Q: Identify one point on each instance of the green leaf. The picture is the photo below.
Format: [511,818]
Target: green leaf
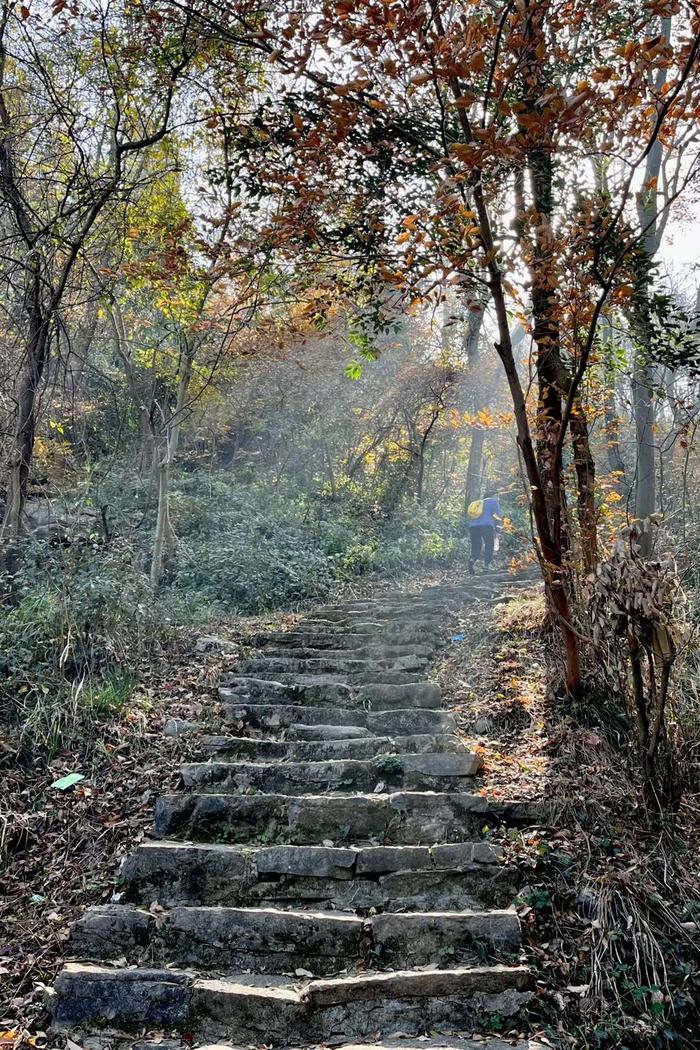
[63,783]
[353,370]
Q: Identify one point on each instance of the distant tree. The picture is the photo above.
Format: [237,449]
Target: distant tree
[84,95]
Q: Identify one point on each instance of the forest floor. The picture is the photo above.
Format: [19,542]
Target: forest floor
[607,894]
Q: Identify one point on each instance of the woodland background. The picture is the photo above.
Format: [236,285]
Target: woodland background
[283,288]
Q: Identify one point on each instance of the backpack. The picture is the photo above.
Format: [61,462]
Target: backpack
[475,509]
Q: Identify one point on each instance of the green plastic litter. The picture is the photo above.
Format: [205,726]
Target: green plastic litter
[63,783]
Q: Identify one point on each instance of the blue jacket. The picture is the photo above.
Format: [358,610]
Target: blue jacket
[491,507]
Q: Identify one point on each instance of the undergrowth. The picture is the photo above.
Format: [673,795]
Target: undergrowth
[83,618]
[611,896]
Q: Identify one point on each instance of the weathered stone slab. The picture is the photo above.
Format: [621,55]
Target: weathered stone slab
[325,732]
[286,692]
[327,861]
[402,818]
[130,998]
[411,984]
[414,939]
[361,1006]
[382,723]
[421,772]
[383,859]
[349,664]
[382,697]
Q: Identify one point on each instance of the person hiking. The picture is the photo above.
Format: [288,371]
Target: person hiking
[484,519]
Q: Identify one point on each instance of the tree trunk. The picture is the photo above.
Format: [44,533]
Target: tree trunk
[585,476]
[644,419]
[612,430]
[643,397]
[470,348]
[29,384]
[165,540]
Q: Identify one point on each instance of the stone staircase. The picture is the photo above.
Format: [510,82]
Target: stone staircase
[322,876]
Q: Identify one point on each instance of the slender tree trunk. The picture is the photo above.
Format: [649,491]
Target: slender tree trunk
[28,387]
[165,540]
[645,426]
[161,538]
[612,431]
[585,475]
[643,397]
[470,348]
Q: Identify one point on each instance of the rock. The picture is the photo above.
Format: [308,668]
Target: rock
[482,725]
[305,860]
[415,984]
[130,998]
[211,644]
[179,727]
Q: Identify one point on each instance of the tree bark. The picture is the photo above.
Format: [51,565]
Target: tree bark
[643,376]
[28,387]
[585,475]
[165,540]
[470,349]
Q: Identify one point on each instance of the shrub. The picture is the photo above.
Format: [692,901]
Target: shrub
[82,619]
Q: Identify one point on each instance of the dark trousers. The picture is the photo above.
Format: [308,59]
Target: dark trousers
[482,534]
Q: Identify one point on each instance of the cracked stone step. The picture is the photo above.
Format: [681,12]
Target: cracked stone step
[402,818]
[333,692]
[467,874]
[314,745]
[416,721]
[350,681]
[344,641]
[377,696]
[422,772]
[404,631]
[228,940]
[242,1009]
[375,651]
[347,665]
[310,690]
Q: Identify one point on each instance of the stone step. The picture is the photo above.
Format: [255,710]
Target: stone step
[466,874]
[176,873]
[270,940]
[346,642]
[319,748]
[302,680]
[420,611]
[344,665]
[413,772]
[377,696]
[404,631]
[380,723]
[286,692]
[423,1043]
[402,818]
[375,651]
[249,1011]
[333,733]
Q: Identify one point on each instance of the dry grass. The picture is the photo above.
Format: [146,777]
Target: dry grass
[610,893]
